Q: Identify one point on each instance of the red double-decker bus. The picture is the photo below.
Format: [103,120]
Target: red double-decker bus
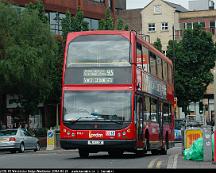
[117,95]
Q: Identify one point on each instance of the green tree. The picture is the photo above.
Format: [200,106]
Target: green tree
[195,56]
[120,24]
[38,7]
[73,23]
[107,23]
[157,44]
[28,56]
[126,27]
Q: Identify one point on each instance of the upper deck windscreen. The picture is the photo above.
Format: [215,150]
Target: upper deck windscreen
[98,59]
[98,50]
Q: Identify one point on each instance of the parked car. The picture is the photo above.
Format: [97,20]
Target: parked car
[18,140]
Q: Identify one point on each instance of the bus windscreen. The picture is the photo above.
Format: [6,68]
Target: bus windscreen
[98,50]
[97,106]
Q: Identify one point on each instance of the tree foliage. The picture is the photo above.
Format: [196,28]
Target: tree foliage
[73,23]
[108,22]
[38,7]
[194,57]
[28,56]
[157,44]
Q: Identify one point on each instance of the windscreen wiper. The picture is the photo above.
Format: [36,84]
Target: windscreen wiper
[88,117]
[108,115]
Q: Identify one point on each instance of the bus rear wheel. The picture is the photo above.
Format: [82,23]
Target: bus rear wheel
[83,153]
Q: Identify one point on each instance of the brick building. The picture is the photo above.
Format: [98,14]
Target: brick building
[93,10]
[132,17]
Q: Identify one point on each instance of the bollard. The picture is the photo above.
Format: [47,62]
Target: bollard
[51,139]
[207,144]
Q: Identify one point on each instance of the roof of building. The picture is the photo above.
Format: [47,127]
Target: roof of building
[178,7]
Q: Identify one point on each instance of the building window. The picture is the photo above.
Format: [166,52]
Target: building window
[202,24]
[157,9]
[99,1]
[189,25]
[212,27]
[164,26]
[151,27]
[55,21]
[92,23]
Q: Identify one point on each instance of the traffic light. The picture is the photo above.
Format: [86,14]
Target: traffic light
[200,107]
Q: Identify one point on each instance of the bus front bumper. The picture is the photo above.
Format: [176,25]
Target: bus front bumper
[107,144]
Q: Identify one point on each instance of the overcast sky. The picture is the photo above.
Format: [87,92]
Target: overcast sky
[131,4]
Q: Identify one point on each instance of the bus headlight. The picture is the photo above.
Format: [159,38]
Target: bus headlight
[68,133]
[123,133]
[73,134]
[119,134]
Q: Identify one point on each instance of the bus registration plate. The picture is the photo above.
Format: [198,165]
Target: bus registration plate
[95,142]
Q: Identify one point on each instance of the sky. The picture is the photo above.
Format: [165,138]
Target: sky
[131,4]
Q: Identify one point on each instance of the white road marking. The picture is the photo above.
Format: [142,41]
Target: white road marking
[172,161]
[151,164]
[158,165]
[175,161]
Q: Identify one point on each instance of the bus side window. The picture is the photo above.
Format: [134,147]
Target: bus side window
[167,113]
[165,71]
[145,59]
[153,115]
[139,56]
[147,108]
[159,67]
[153,64]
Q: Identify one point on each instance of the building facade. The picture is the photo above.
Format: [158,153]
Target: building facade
[158,20]
[132,18]
[93,10]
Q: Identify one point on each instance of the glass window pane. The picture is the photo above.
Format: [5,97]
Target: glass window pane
[189,25]
[97,106]
[153,116]
[165,71]
[153,64]
[159,67]
[103,50]
[147,108]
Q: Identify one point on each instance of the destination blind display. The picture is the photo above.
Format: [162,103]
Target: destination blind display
[100,75]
